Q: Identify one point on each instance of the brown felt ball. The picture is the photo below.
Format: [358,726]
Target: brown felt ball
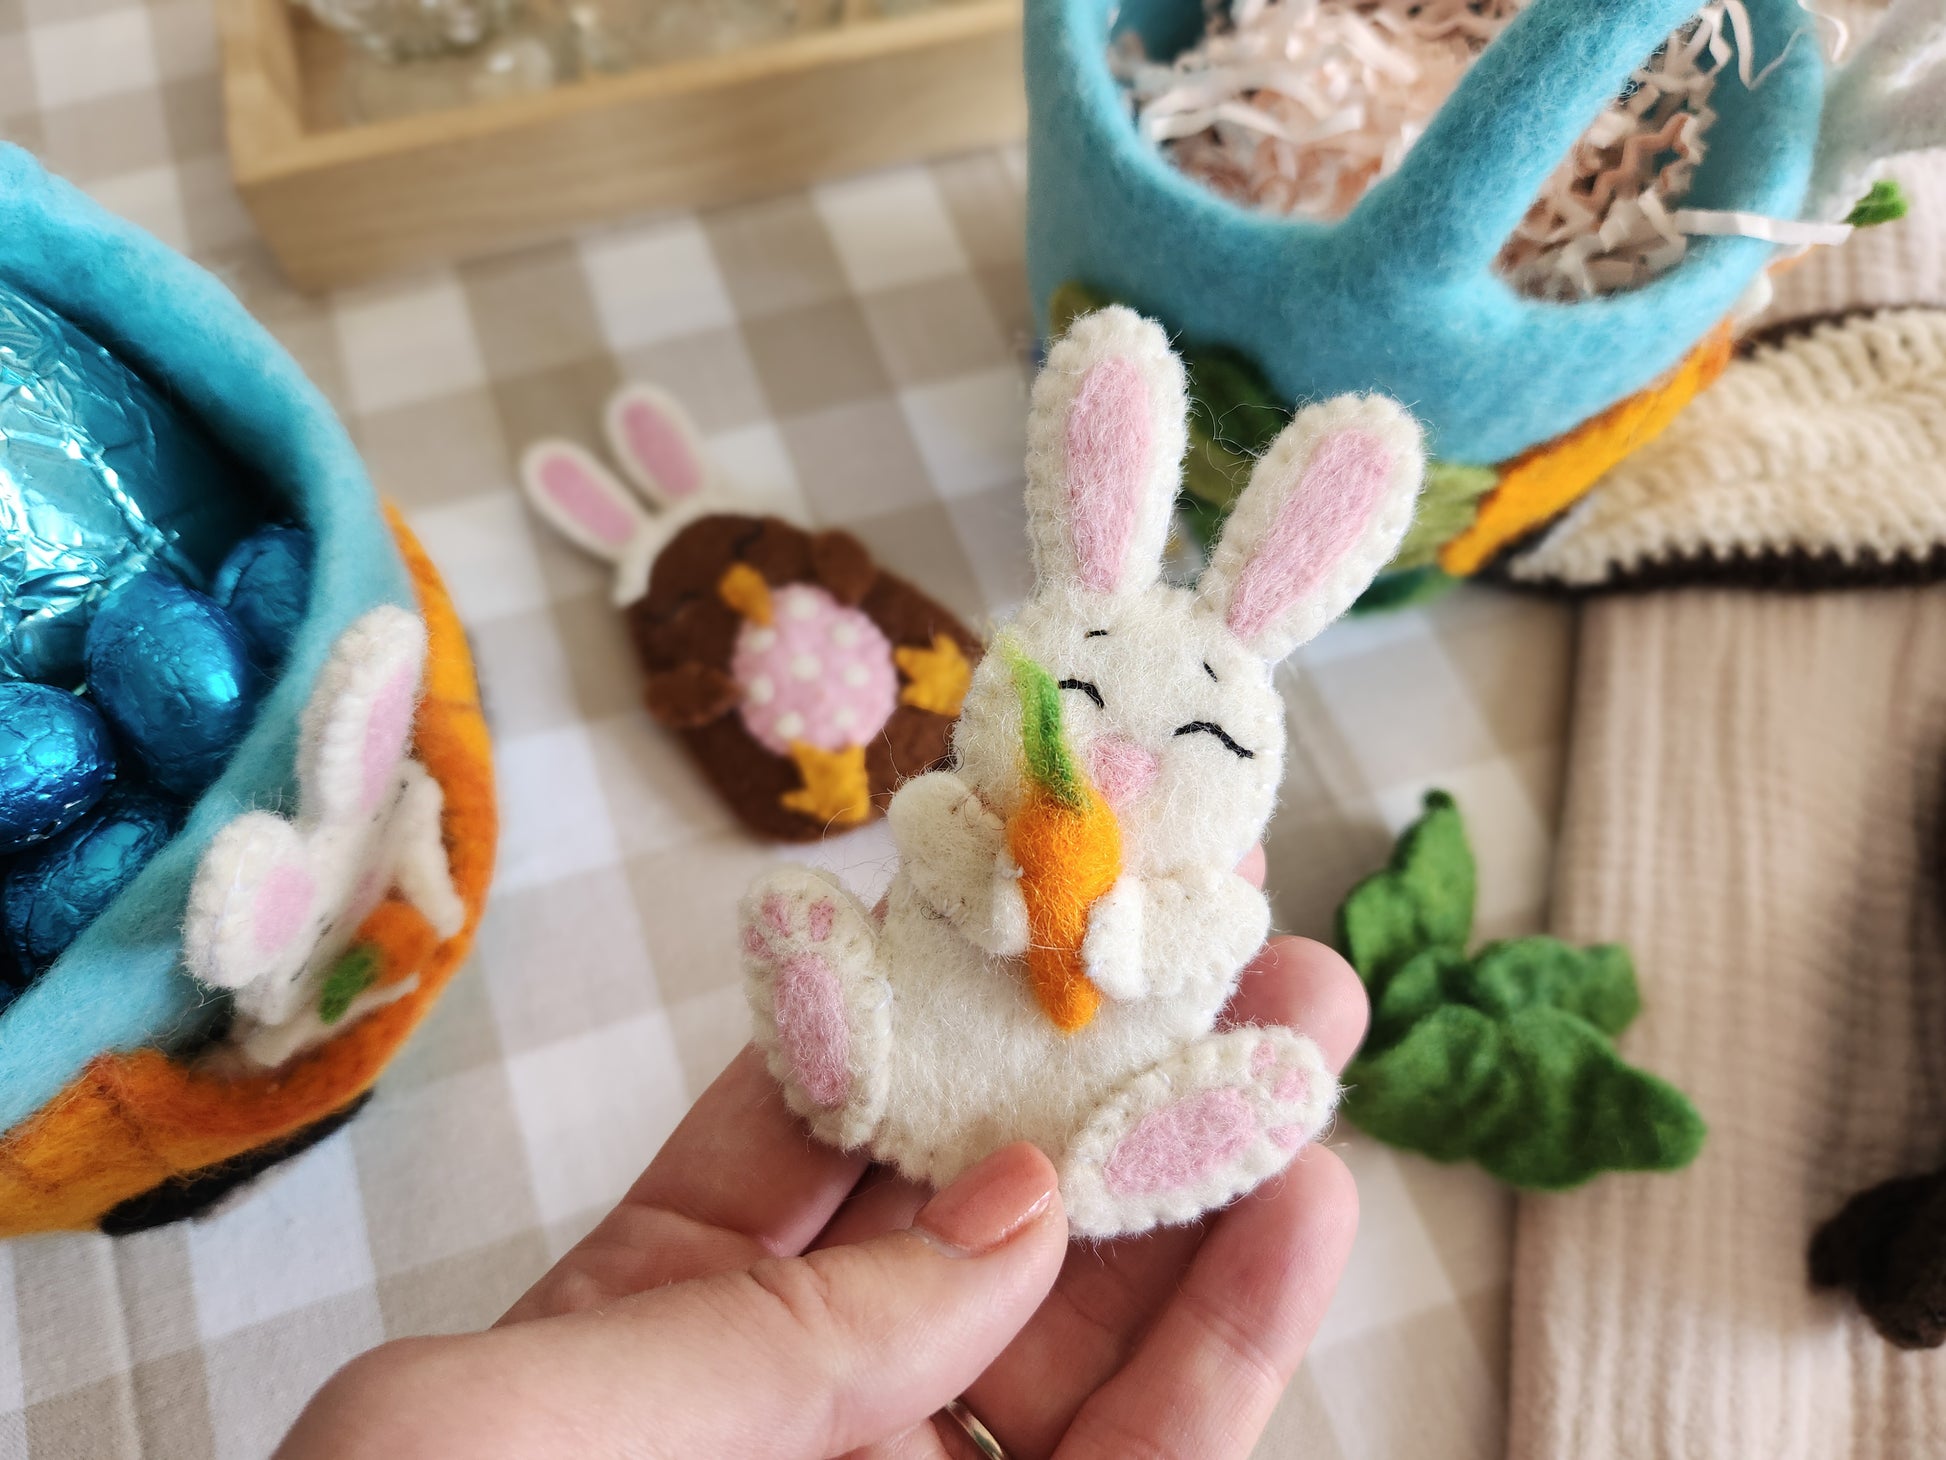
[1888,1247]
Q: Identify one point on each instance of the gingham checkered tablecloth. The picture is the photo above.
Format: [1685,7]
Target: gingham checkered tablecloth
[860,350]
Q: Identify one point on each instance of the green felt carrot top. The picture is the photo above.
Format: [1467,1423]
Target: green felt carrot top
[1043,741]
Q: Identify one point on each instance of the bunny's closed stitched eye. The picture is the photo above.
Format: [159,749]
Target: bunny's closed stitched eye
[1210,727]
[1087,687]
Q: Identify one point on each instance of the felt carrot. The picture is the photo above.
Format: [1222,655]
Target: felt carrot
[1069,848]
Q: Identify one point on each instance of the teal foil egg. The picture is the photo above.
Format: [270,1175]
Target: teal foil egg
[56,760]
[265,583]
[51,893]
[173,675]
[100,477]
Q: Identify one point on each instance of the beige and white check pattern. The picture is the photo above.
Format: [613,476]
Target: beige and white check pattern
[860,350]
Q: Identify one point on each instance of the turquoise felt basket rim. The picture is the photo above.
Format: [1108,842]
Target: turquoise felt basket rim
[1399,296]
[121,985]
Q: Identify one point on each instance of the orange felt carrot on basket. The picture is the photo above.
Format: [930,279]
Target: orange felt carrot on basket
[1069,847]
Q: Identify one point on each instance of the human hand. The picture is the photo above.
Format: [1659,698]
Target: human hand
[759,1295]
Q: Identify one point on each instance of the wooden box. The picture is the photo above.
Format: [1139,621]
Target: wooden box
[338,202]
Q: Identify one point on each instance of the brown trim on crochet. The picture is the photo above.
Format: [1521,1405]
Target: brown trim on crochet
[1784,331]
[1797,571]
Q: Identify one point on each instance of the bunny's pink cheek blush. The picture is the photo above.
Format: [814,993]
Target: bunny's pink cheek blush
[1121,769]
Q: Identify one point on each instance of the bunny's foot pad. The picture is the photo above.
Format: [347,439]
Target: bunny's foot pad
[770,648]
[1197,1130]
[822,1007]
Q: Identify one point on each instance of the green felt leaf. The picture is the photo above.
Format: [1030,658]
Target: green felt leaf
[1429,979]
[1424,899]
[1394,590]
[1448,503]
[1230,402]
[1211,472]
[350,976]
[1598,983]
[1583,1109]
[1885,203]
[1439,1088]
[1068,302]
[1539,1098]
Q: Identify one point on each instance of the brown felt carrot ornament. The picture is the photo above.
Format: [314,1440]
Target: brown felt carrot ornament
[1068,845]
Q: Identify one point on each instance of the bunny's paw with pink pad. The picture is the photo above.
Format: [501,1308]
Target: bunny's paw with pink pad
[1197,1131]
[277,900]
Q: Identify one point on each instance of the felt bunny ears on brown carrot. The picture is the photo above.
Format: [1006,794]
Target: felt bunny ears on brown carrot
[805,681]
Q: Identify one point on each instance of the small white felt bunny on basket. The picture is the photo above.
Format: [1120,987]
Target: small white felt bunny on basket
[991,1004]
[276,902]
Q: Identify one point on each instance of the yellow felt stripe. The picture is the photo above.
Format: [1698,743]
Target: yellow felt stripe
[1544,482]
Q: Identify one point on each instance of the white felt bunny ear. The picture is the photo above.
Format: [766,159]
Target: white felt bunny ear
[657,444]
[254,907]
[1326,509]
[1105,442]
[358,723]
[582,500]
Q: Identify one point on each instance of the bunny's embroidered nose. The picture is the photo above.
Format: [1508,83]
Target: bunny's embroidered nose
[1120,769]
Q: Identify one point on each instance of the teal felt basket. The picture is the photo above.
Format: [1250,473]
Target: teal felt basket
[1400,295]
[121,986]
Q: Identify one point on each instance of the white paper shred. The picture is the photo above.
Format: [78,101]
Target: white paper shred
[1297,107]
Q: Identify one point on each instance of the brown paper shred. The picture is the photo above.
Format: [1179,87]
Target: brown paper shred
[1296,107]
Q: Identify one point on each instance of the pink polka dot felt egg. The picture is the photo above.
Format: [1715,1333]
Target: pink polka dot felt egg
[819,673]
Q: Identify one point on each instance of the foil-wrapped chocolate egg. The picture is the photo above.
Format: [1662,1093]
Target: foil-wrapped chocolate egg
[173,675]
[265,583]
[100,478]
[56,760]
[50,894]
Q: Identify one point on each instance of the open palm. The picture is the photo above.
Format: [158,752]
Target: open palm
[685,1323]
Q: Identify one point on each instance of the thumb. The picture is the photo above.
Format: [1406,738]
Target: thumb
[794,1358]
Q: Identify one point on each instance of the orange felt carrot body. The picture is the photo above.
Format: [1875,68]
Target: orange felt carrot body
[1069,848]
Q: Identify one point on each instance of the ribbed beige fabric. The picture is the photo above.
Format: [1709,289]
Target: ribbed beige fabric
[1754,808]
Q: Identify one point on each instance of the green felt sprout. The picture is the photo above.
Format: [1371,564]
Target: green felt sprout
[1504,1056]
[1885,203]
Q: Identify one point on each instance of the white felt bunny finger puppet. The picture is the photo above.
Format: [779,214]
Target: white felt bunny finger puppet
[277,901]
[1066,921]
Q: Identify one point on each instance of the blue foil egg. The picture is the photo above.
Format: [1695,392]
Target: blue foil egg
[56,760]
[265,583]
[173,675]
[50,894]
[100,477]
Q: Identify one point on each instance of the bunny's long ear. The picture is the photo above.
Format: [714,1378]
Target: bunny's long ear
[1105,442]
[653,438]
[1325,510]
[581,499]
[359,720]
[252,917]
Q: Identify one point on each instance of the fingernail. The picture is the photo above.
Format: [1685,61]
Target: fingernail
[989,1203]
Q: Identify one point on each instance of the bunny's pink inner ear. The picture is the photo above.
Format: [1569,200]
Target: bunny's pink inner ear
[1109,439]
[661,448]
[282,905]
[386,729]
[583,500]
[1320,520]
